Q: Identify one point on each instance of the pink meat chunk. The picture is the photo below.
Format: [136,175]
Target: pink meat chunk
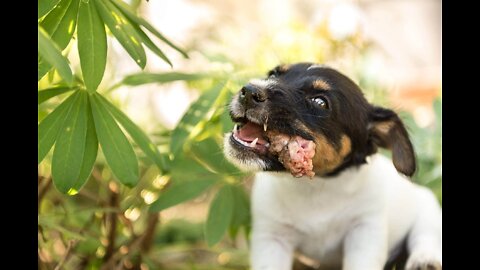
[295,153]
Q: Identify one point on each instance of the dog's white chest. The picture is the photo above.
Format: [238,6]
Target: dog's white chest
[316,214]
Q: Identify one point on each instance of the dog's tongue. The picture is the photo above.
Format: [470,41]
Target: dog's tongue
[250,132]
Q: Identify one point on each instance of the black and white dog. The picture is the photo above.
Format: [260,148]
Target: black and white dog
[356,210]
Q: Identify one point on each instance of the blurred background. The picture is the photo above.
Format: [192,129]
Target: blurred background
[391,48]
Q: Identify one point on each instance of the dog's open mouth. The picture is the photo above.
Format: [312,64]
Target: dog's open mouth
[294,152]
[251,136]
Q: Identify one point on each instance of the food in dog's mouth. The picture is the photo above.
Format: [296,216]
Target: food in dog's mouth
[294,152]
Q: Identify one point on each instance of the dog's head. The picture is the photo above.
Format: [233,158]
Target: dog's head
[310,119]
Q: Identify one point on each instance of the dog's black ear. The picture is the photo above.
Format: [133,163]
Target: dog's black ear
[387,131]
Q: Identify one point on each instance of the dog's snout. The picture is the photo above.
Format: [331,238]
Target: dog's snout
[251,94]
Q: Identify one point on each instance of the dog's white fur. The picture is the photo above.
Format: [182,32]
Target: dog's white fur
[355,220]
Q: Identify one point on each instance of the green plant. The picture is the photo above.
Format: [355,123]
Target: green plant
[86,119]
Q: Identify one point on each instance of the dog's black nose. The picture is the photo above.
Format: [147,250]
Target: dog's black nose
[251,94]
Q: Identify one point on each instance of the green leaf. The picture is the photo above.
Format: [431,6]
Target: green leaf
[145,39]
[90,154]
[70,145]
[179,192]
[149,148]
[43,68]
[92,45]
[50,126]
[219,215]
[145,78]
[226,122]
[195,169]
[191,119]
[59,24]
[47,94]
[149,43]
[241,212]
[44,6]
[117,150]
[209,153]
[51,53]
[122,30]
[131,15]
[42,113]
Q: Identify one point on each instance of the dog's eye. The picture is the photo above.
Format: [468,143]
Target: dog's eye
[320,102]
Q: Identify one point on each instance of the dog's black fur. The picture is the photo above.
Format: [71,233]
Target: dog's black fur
[287,105]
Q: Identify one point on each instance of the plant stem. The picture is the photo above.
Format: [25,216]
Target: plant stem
[111,219]
[43,188]
[70,245]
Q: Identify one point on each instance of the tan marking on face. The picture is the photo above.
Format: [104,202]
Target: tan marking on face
[346,146]
[327,158]
[321,84]
[284,68]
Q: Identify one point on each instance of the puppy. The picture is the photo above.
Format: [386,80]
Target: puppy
[352,208]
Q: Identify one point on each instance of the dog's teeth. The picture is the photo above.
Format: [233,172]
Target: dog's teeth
[235,128]
[254,142]
[265,127]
